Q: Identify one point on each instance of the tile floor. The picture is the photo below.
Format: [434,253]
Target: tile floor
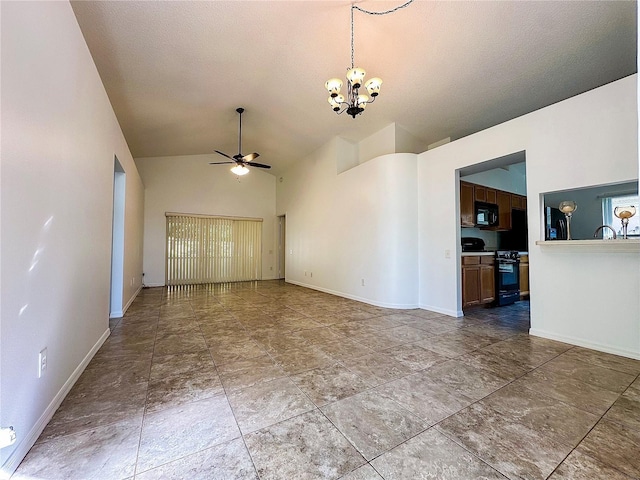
[273,381]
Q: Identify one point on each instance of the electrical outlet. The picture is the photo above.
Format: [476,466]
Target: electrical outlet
[447,254]
[311,274]
[363,282]
[42,362]
[305,273]
[270,268]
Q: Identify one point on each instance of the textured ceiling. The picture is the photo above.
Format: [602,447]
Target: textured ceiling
[176,71]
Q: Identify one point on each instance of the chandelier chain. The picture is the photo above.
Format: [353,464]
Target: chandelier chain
[352,36]
[369,12]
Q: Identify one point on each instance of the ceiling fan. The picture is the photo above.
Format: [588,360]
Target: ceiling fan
[241,161]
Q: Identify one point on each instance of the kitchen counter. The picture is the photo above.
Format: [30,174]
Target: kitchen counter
[485,254]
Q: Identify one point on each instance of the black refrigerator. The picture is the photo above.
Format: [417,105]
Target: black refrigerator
[518,237]
[555,224]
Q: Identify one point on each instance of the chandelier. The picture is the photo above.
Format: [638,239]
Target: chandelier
[355,102]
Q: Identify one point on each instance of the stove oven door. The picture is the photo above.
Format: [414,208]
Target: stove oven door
[507,281]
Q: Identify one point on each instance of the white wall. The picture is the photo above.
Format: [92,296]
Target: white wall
[59,139]
[391,139]
[360,224]
[188,184]
[587,140]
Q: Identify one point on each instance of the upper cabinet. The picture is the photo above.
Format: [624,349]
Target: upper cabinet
[504,210]
[471,193]
[467,205]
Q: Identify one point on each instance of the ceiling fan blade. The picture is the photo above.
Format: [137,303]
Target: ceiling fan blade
[223,154]
[219,163]
[250,157]
[259,165]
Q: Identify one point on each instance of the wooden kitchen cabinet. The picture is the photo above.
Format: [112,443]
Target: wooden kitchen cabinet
[478,280]
[518,202]
[492,195]
[470,286]
[484,194]
[504,210]
[524,276]
[467,205]
[487,280]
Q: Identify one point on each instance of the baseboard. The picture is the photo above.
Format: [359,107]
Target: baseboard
[581,342]
[133,297]
[354,297]
[29,440]
[150,285]
[120,313]
[444,311]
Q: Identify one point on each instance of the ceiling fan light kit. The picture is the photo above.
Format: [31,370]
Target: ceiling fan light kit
[241,161]
[355,102]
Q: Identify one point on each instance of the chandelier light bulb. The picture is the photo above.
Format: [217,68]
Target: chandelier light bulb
[335,102]
[373,86]
[333,85]
[356,76]
[240,170]
[362,101]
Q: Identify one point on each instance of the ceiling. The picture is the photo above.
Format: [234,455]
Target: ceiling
[176,71]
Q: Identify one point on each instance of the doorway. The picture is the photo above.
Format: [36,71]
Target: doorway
[282,245]
[117,241]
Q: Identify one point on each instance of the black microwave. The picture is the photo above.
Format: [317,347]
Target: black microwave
[486,214]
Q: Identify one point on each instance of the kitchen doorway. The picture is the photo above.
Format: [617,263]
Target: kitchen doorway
[117,241]
[282,246]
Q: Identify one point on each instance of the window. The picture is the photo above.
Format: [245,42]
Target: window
[608,218]
[206,249]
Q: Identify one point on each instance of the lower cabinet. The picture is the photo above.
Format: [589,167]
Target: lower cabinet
[478,280]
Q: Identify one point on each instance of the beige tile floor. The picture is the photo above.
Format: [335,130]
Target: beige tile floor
[273,381]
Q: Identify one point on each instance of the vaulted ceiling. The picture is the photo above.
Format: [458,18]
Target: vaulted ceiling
[176,71]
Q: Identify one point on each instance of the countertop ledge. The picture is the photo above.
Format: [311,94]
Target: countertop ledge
[631,245]
[484,254]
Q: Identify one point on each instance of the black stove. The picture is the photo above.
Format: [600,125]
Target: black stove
[507,277]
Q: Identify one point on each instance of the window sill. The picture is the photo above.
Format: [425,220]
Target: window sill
[631,245]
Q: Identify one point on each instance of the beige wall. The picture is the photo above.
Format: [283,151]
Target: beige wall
[59,139]
[188,184]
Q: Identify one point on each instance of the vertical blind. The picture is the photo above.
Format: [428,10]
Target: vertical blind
[205,249]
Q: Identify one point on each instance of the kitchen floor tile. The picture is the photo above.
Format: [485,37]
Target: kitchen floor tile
[578,466]
[106,452]
[508,446]
[175,432]
[432,455]
[246,373]
[304,447]
[373,424]
[329,384]
[592,374]
[267,403]
[558,421]
[226,461]
[377,368]
[615,445]
[574,392]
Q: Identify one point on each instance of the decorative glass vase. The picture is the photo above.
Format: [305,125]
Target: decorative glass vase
[624,214]
[568,207]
